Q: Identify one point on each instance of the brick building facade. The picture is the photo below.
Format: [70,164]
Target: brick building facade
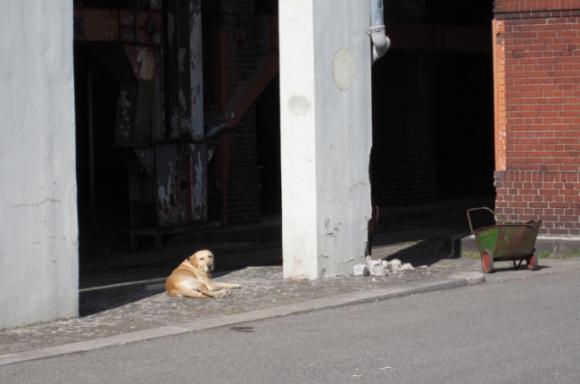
[421,151]
[146,163]
[537,107]
[433,109]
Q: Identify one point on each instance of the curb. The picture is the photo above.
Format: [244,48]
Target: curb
[453,281]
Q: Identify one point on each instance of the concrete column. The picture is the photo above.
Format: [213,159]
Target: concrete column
[326,135]
[38,205]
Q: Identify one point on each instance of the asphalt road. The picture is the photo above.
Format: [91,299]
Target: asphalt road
[518,331]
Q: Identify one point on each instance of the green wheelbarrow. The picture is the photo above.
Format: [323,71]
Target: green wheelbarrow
[505,242]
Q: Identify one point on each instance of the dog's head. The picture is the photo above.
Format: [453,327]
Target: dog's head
[202,260]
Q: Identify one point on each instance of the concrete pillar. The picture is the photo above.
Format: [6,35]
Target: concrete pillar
[326,135]
[38,205]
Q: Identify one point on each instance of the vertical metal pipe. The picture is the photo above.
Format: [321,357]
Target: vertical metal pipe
[377,13]
[381,42]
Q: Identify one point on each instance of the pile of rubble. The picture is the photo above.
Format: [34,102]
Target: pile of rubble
[381,267]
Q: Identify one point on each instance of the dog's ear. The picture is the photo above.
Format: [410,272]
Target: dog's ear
[193,260]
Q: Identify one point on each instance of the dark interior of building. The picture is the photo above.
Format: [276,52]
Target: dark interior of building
[102,166]
[433,104]
[268,135]
[432,135]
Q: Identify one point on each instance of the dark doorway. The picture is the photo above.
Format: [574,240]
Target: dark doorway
[268,135]
[102,176]
[142,157]
[107,33]
[433,111]
[268,113]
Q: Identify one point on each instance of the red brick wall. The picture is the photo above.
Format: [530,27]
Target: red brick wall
[516,6]
[539,56]
[551,196]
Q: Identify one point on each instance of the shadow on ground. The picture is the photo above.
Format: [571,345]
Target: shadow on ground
[116,277]
[428,252]
[96,301]
[109,288]
[507,266]
[419,246]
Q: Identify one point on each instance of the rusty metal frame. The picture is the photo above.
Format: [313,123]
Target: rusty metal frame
[143,27]
[184,70]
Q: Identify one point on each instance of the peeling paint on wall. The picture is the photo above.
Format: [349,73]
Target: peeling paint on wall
[139,110]
[145,63]
[331,230]
[185,72]
[343,71]
[199,184]
[169,209]
[196,70]
[299,105]
[124,121]
[181,183]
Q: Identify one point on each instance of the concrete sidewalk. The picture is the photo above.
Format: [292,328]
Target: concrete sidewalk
[264,295]
[120,312]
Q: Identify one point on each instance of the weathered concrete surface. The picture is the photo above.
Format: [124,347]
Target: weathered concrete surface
[126,303]
[326,135]
[38,206]
[264,289]
[141,311]
[513,332]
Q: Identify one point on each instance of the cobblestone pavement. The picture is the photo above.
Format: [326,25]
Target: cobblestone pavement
[147,306]
[124,308]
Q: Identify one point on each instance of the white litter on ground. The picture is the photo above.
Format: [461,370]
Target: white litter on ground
[360,270]
[381,267]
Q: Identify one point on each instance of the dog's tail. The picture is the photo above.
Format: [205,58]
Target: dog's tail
[170,289]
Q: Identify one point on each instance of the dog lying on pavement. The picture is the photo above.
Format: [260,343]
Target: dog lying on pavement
[192,278]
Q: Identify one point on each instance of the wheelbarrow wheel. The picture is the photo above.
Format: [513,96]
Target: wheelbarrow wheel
[486,262]
[532,262]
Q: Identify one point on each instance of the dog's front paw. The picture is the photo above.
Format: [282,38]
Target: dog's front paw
[236,286]
[222,293]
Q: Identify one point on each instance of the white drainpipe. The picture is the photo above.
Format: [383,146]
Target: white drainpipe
[381,42]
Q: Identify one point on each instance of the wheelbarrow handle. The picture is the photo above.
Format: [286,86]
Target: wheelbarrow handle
[468,212]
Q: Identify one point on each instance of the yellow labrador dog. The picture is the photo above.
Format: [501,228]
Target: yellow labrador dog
[192,278]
